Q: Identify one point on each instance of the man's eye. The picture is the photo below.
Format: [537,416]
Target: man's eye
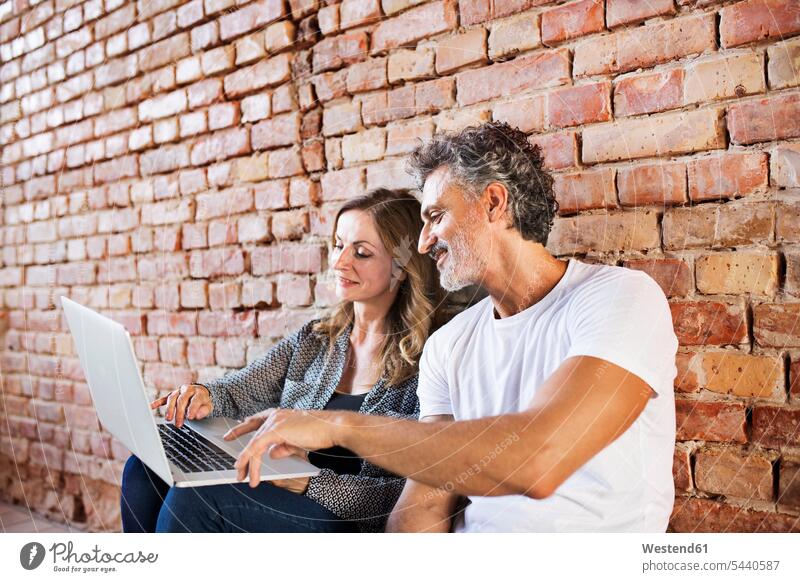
[436,218]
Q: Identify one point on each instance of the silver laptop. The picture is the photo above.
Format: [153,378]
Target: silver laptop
[190,456]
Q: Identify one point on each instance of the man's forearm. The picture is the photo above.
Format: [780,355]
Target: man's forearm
[488,456]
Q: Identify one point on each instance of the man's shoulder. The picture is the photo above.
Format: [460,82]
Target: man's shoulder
[613,280]
[459,323]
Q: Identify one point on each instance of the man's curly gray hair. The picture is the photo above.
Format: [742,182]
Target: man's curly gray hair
[495,152]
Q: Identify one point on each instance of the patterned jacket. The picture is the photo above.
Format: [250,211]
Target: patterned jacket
[300,372]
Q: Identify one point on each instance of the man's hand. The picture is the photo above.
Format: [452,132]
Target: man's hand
[190,401]
[284,432]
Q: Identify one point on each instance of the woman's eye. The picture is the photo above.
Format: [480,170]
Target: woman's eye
[361,255]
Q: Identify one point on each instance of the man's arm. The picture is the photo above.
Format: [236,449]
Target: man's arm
[582,408]
[422,508]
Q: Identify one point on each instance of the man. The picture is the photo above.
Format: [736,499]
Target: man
[549,403]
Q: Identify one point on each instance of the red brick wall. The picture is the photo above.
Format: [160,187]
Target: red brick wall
[175,165]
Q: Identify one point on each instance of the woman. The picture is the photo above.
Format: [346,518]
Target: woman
[362,357]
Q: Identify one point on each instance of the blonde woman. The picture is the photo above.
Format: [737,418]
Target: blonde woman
[363,357]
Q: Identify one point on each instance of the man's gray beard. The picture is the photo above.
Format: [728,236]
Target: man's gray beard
[463,265]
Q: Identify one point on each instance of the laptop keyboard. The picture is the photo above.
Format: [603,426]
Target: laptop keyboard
[191,451]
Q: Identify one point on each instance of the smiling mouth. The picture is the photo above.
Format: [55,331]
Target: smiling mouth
[440,258]
[347,281]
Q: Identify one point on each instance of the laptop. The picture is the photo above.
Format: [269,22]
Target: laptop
[190,456]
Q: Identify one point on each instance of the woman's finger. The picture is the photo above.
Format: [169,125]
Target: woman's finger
[196,402]
[183,402]
[169,412]
[158,402]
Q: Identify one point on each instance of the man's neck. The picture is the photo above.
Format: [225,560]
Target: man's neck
[520,275]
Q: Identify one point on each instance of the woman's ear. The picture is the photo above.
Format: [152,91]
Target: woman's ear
[398,274]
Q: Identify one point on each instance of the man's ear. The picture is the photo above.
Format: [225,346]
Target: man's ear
[495,198]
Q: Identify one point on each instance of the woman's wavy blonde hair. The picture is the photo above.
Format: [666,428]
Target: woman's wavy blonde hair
[415,311]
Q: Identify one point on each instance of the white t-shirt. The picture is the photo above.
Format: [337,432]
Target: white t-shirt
[478,366]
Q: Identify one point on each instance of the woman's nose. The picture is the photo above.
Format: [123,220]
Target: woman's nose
[342,261]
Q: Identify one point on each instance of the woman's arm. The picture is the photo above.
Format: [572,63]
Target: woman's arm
[259,385]
[367,498]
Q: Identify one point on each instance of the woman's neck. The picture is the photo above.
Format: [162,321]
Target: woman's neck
[369,322]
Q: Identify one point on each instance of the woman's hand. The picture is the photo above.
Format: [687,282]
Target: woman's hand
[282,432]
[190,401]
[297,485]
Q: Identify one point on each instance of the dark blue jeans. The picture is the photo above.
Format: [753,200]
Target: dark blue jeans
[149,505]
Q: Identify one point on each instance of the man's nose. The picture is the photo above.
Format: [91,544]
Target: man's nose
[426,240]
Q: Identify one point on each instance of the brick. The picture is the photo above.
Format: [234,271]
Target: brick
[783,64]
[645,46]
[708,323]
[660,184]
[265,73]
[414,25]
[341,118]
[672,275]
[579,105]
[231,201]
[285,162]
[743,375]
[336,52]
[785,166]
[560,150]
[755,20]
[788,222]
[194,294]
[252,229]
[180,324]
[776,427]
[250,18]
[354,13]
[605,233]
[514,35]
[279,36]
[732,473]
[204,93]
[403,138]
[745,224]
[407,65]
[364,146]
[764,119]
[226,295]
[167,51]
[776,325]
[737,273]
[710,421]
[526,113]
[250,48]
[461,50]
[703,515]
[330,86]
[226,324]
[789,484]
[667,134]
[572,20]
[536,71]
[328,19]
[223,144]
[621,12]
[290,224]
[216,263]
[163,106]
[368,75]
[272,195]
[585,191]
[221,232]
[343,184]
[433,96]
[792,278]
[253,169]
[649,93]
[279,131]
[727,176]
[724,77]
[294,290]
